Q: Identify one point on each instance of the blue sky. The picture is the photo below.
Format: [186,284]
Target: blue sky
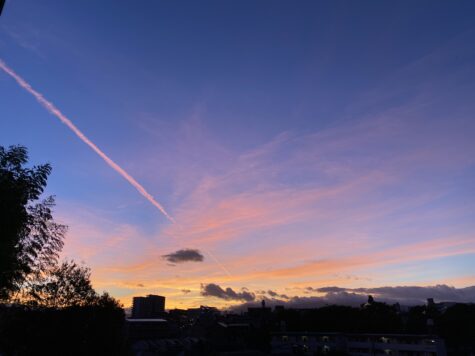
[338,132]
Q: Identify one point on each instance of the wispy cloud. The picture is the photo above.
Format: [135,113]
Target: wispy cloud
[347,200]
[342,172]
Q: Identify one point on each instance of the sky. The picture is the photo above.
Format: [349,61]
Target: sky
[303,151]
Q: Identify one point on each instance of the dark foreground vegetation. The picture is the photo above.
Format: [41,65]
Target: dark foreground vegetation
[47,306]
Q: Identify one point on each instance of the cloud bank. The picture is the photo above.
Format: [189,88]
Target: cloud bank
[409,294]
[405,295]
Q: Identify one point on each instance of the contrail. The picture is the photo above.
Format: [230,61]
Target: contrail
[224,269]
[56,112]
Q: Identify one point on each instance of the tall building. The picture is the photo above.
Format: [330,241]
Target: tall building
[149,307]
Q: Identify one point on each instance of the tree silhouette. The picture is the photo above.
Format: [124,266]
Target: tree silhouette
[52,299]
[67,284]
[30,240]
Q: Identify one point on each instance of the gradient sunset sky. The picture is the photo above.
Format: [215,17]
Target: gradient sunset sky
[296,145]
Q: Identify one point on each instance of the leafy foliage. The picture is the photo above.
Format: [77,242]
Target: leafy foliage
[30,241]
[67,284]
[51,298]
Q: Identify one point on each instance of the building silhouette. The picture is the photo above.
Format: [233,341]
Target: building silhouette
[149,307]
[357,344]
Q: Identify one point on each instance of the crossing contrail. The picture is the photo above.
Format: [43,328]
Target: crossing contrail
[64,119]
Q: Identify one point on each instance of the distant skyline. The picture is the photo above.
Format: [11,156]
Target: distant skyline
[297,147]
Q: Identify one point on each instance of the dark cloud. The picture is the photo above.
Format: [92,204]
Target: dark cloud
[408,295]
[331,298]
[327,289]
[277,295]
[214,290]
[339,298]
[140,285]
[185,255]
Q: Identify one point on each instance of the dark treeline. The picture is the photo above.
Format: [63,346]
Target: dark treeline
[47,306]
